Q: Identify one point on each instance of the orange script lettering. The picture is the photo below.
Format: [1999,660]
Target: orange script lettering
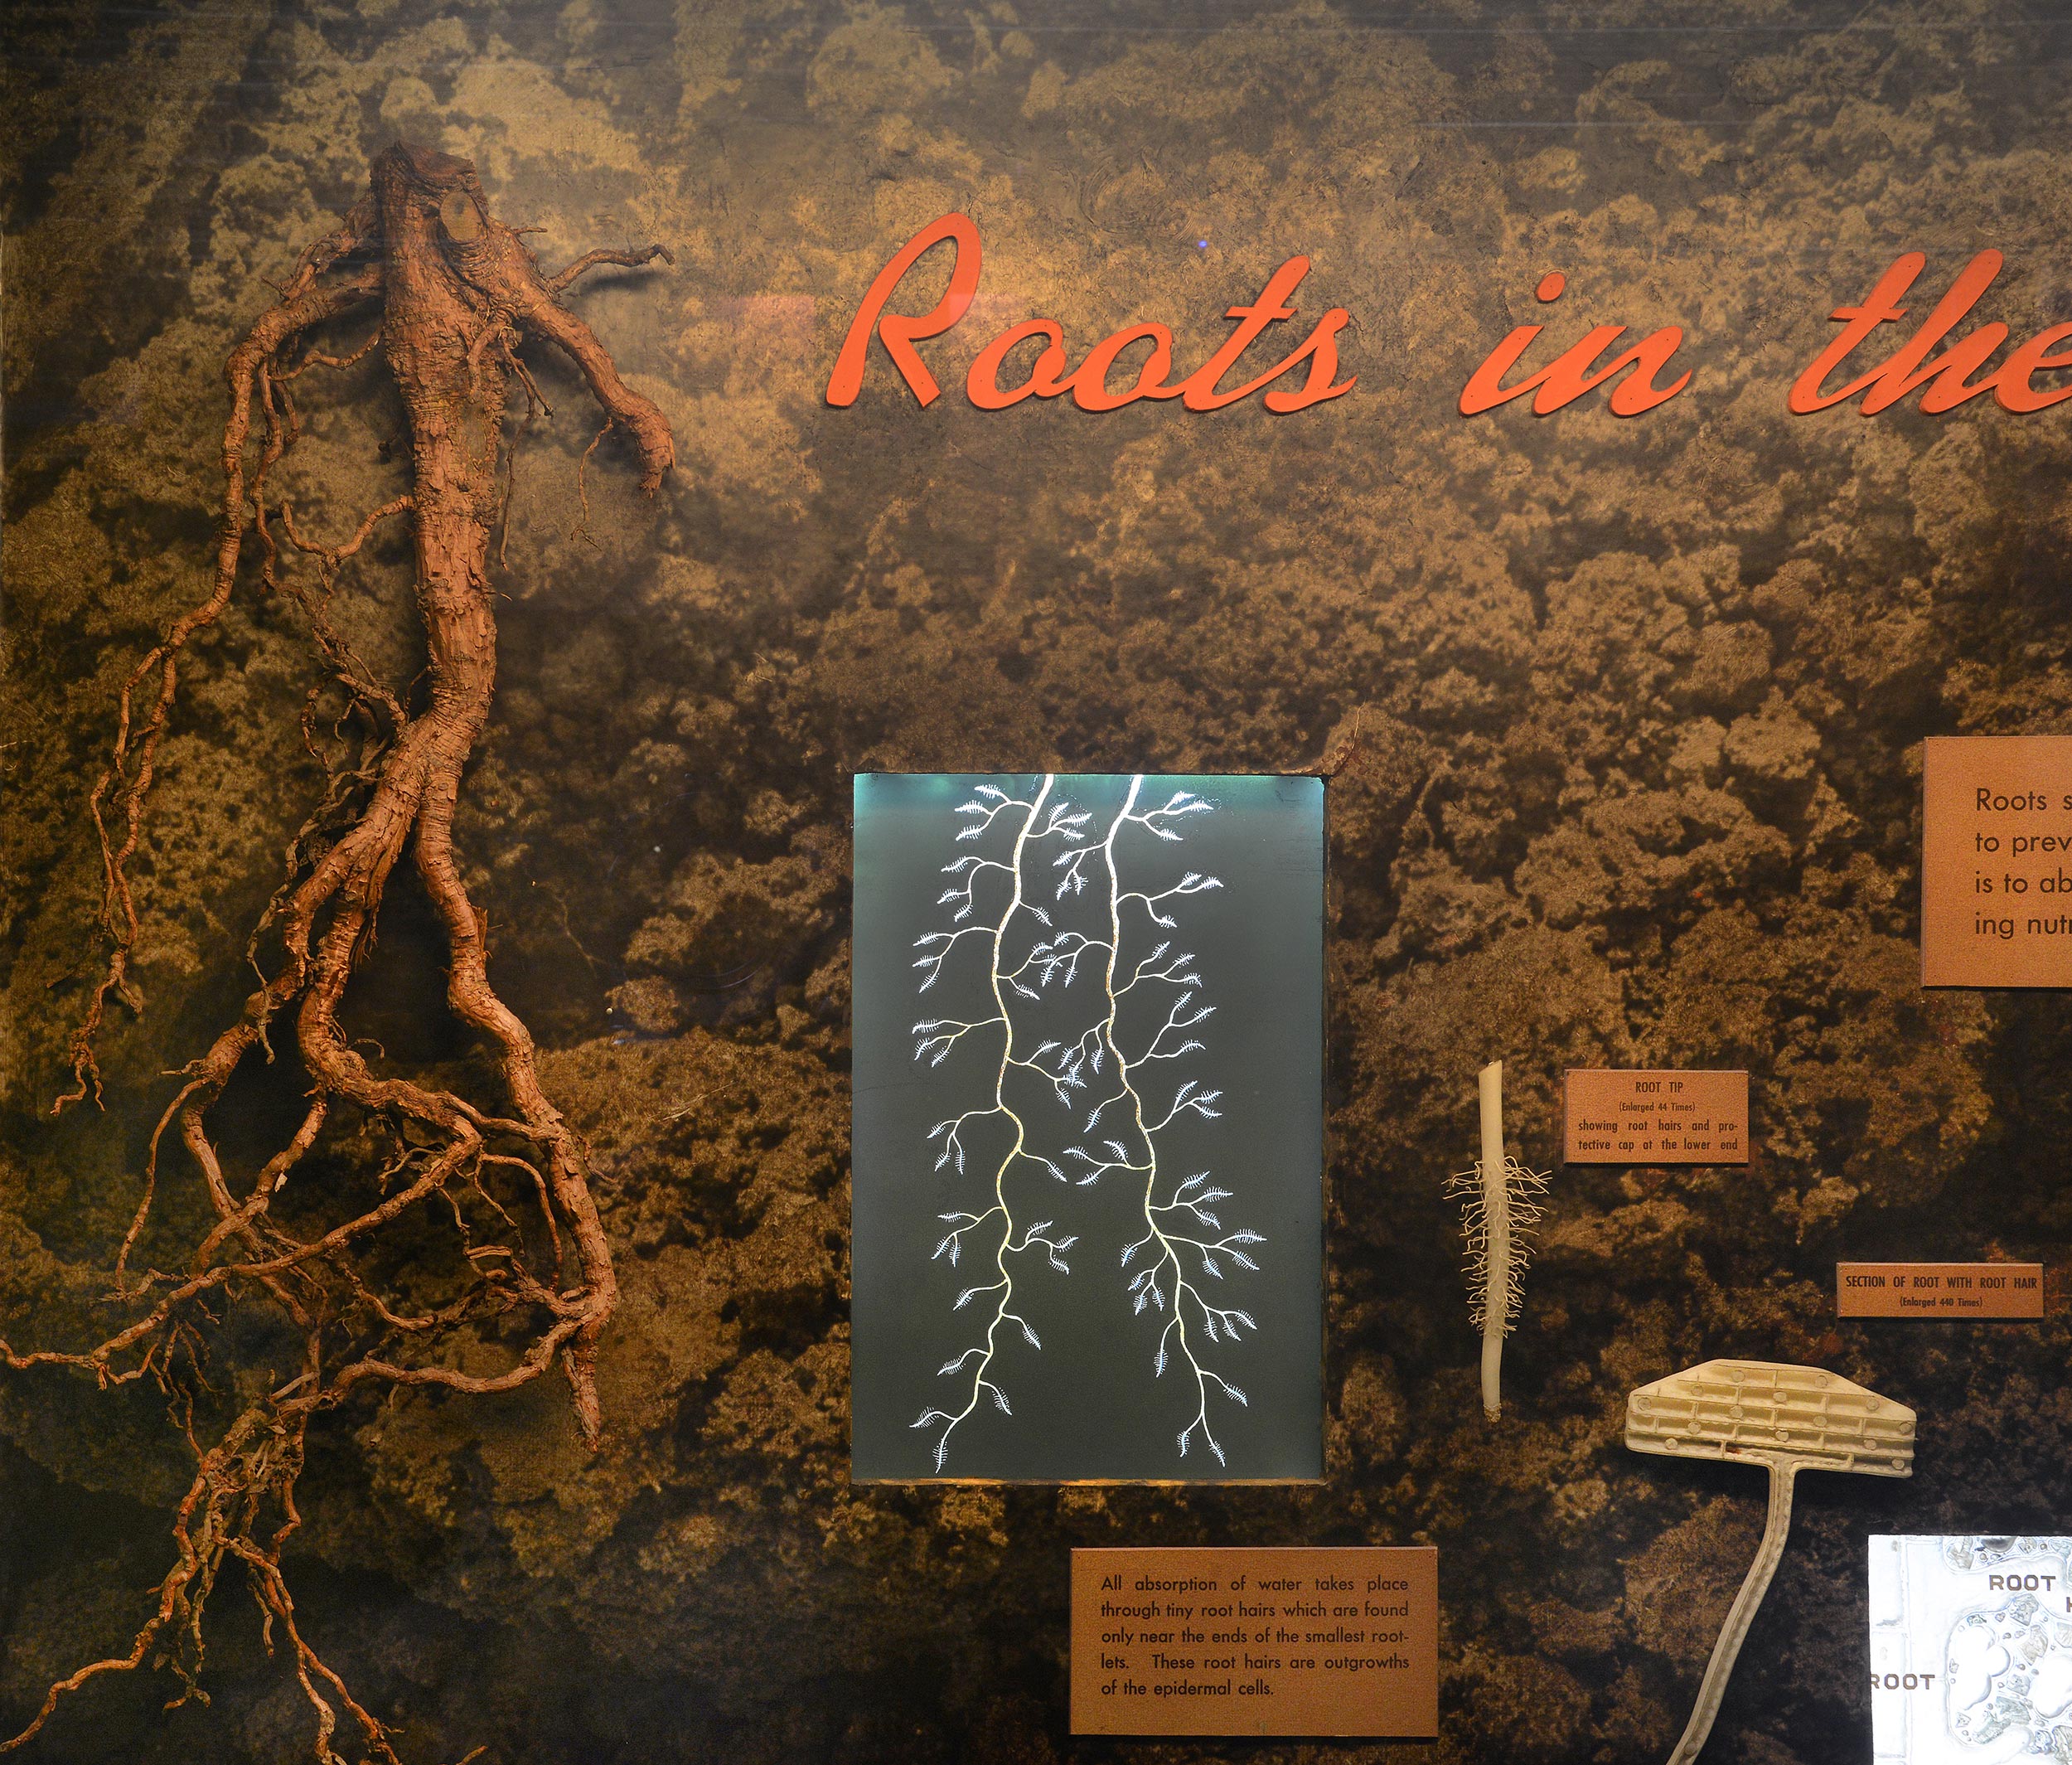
[1575,371]
[1092,386]
[1947,378]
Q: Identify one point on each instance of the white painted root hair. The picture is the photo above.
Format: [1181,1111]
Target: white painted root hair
[1498,1214]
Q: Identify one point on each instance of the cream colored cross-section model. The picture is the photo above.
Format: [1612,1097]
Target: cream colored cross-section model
[1788,1418]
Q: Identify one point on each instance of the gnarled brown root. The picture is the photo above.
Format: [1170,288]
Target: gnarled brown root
[457,291]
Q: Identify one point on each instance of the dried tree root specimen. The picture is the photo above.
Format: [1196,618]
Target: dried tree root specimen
[1497,1215]
[456,290]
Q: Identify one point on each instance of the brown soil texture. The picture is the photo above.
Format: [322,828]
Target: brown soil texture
[1625,718]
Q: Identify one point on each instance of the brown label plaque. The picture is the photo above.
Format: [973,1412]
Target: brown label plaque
[1618,1117]
[1266,1641]
[1997,861]
[1938,1290]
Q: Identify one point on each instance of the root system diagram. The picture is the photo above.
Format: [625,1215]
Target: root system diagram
[1015,914]
[526,1267]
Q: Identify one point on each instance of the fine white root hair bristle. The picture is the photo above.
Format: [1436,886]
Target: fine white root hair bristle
[1516,1194]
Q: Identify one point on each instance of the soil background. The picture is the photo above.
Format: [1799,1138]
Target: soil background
[1625,718]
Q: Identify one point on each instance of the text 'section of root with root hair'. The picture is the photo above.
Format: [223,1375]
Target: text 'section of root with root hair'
[1123,1075]
[454,291]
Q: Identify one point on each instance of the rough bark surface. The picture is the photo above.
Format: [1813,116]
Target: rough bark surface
[457,293]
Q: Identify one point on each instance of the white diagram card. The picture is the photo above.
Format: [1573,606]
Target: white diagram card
[1087,1171]
[1971,1650]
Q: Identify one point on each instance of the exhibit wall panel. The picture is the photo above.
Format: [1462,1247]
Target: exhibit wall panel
[1618,714]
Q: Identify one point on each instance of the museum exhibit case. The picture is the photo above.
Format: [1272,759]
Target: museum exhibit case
[1009,883]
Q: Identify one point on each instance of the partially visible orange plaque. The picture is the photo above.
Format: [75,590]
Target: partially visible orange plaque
[1997,861]
[1264,1641]
[1620,1117]
[1938,1290]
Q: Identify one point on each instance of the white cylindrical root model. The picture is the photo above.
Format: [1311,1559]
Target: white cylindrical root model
[1496,1213]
